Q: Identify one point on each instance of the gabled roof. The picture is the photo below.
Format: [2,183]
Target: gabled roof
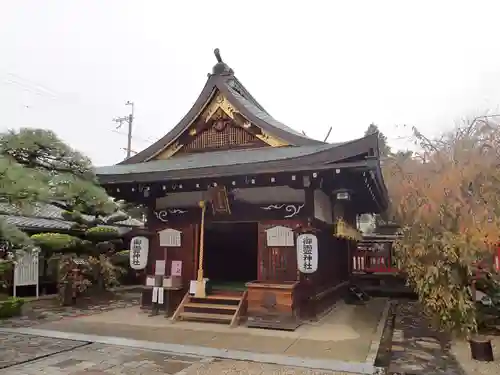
[234,162]
[224,81]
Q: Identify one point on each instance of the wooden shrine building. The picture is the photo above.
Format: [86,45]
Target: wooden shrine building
[263,212]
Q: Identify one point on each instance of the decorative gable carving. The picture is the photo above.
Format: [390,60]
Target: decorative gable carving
[219,126]
[222,135]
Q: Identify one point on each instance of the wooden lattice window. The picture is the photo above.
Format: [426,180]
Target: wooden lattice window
[230,136]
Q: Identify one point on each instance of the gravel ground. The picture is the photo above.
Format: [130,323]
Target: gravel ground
[461,351]
[43,311]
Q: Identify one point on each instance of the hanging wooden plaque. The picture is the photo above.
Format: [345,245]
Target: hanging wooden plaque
[279,236]
[170,237]
[219,200]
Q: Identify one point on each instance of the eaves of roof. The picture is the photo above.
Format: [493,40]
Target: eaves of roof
[45,216]
[237,162]
[41,224]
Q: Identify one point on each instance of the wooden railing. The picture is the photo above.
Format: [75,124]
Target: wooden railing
[372,263]
[369,262]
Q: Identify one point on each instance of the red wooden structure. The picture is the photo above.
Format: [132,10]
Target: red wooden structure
[374,254]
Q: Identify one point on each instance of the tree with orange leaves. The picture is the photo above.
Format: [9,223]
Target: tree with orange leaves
[447,200]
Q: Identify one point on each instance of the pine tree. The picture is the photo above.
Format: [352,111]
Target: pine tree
[38,167]
[384,148]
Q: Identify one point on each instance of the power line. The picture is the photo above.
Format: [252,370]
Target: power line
[28,88]
[41,90]
[36,85]
[135,137]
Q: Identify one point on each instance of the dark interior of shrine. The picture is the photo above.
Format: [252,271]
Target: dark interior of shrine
[230,254]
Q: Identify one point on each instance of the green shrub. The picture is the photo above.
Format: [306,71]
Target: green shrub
[11,307]
[102,233]
[121,258]
[55,241]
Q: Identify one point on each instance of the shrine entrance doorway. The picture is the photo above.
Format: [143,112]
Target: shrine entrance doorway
[231,254]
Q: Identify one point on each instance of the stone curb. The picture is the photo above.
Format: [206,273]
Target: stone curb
[365,368]
[375,344]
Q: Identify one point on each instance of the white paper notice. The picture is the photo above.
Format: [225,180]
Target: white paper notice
[150,280]
[160,268]
[160,295]
[192,287]
[176,268]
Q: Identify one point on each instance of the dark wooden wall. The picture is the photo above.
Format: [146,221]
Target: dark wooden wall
[277,263]
[185,252]
[240,211]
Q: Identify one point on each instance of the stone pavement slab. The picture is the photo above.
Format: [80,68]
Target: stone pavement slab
[229,367]
[342,340]
[416,348]
[102,359]
[347,333]
[97,359]
[366,367]
[348,350]
[16,348]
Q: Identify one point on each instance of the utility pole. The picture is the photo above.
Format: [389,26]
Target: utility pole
[128,119]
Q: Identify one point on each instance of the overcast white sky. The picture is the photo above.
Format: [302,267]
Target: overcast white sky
[71,65]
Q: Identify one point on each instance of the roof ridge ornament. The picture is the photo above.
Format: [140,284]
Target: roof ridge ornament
[221,67]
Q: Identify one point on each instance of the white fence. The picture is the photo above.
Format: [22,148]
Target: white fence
[26,271]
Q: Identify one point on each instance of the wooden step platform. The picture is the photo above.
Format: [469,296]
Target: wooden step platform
[225,308]
[215,306]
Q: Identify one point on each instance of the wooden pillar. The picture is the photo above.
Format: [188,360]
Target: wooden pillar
[196,249]
[200,287]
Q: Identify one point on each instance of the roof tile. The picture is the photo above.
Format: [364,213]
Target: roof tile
[214,159]
[46,216]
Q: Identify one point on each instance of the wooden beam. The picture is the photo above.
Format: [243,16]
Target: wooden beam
[239,310]
[180,308]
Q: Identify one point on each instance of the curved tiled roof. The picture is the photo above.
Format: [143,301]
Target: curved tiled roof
[235,162]
[224,81]
[45,216]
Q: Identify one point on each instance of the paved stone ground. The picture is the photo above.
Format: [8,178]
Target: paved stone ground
[66,357]
[345,334]
[348,350]
[32,360]
[16,349]
[416,348]
[44,311]
[97,359]
[228,367]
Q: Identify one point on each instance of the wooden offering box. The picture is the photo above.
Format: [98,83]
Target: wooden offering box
[272,305]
